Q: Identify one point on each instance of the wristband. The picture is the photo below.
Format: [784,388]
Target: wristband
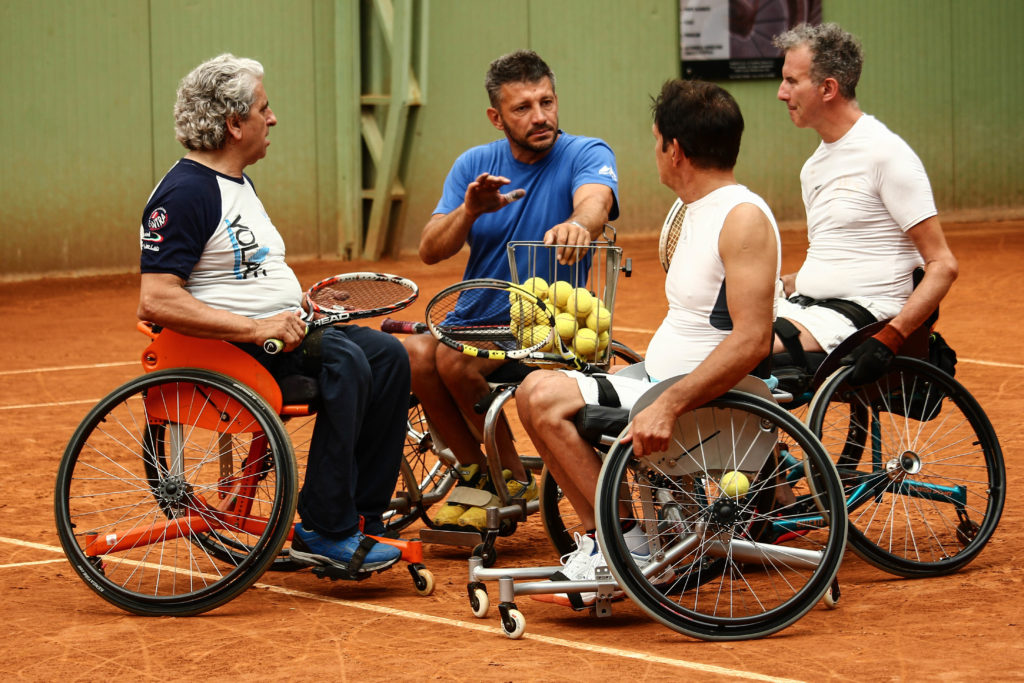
[579,225]
[891,337]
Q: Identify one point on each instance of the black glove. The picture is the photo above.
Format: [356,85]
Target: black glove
[871,360]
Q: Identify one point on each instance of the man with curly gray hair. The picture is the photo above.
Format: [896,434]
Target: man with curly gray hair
[213,265]
[871,217]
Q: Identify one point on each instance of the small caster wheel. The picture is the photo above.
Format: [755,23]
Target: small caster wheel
[488,555]
[831,598]
[423,580]
[479,602]
[513,623]
[508,527]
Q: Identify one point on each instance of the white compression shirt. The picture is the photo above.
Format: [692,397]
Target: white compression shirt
[698,317]
[862,193]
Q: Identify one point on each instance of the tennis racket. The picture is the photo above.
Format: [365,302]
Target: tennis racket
[351,296]
[670,230]
[498,320]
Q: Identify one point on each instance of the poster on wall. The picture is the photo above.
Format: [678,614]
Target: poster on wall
[732,39]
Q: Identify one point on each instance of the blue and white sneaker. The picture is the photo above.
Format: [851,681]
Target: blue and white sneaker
[355,554]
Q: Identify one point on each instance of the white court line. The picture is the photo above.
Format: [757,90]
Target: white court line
[997,364]
[50,405]
[469,626]
[68,367]
[29,564]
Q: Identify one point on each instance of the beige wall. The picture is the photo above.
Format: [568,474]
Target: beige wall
[87,87]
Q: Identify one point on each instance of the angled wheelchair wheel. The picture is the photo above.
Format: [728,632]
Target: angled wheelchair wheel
[721,561]
[175,493]
[424,477]
[921,466]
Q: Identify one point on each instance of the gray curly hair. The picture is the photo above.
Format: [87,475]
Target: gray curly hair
[212,93]
[835,53]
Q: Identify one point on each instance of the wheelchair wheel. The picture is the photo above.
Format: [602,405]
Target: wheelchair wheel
[424,477]
[556,513]
[920,464]
[175,493]
[724,564]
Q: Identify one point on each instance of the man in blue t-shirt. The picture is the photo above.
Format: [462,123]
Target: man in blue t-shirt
[213,265]
[563,191]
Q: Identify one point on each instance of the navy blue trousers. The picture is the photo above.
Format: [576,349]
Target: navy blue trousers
[357,443]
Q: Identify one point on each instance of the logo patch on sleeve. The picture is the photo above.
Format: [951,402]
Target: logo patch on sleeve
[156,221]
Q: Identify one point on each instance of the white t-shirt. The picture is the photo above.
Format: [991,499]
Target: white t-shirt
[212,231]
[862,193]
[698,316]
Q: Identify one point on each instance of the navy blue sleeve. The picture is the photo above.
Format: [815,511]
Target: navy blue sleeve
[179,219]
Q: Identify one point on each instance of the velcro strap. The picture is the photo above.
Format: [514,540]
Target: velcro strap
[606,394]
[465,495]
[574,598]
[789,335]
[359,555]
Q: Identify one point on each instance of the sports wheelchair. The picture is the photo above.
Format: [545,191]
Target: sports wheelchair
[921,467]
[179,488]
[919,471]
[723,564]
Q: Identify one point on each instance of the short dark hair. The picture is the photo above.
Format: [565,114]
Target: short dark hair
[835,53]
[704,118]
[521,66]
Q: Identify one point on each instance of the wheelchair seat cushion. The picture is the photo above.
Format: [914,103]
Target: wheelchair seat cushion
[299,390]
[593,422]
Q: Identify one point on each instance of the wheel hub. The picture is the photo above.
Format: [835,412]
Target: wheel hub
[907,463]
[172,490]
[725,512]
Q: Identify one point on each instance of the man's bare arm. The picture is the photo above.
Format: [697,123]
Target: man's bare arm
[592,203]
[940,271]
[164,300]
[748,249]
[445,233]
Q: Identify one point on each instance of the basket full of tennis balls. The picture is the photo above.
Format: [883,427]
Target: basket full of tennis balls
[582,320]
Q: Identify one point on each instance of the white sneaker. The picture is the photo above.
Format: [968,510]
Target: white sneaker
[579,565]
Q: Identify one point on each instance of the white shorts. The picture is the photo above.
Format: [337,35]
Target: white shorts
[629,389]
[830,328]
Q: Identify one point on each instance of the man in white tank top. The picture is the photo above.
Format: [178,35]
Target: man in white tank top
[871,218]
[720,289]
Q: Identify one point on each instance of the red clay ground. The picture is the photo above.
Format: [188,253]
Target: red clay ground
[72,341]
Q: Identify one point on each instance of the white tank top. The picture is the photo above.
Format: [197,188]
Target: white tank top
[698,317]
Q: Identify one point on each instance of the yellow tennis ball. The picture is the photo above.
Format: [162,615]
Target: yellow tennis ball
[537,334]
[537,285]
[523,313]
[600,318]
[603,339]
[565,324]
[734,484]
[585,342]
[579,302]
[559,293]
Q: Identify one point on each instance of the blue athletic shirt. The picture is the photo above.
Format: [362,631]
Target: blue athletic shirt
[212,231]
[549,183]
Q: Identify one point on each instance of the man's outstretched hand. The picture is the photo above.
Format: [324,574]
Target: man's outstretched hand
[484,194]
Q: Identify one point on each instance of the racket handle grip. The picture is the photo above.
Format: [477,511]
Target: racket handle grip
[402,326]
[273,346]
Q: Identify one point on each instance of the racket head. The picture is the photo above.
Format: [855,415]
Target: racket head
[361,294]
[490,318]
[670,231]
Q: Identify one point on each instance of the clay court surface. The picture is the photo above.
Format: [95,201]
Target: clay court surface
[69,342]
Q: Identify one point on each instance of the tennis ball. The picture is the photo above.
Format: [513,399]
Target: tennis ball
[734,484]
[523,313]
[537,334]
[600,318]
[559,293]
[537,285]
[585,342]
[565,323]
[603,339]
[579,302]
